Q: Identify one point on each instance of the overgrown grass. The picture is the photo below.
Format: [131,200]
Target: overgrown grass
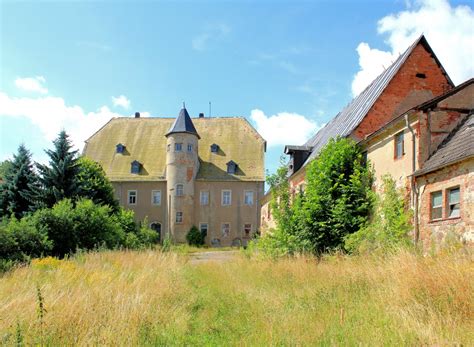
[153,298]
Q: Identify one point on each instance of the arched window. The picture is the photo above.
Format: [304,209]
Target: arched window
[156,226]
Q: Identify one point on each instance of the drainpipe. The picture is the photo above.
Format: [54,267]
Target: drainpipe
[414,188]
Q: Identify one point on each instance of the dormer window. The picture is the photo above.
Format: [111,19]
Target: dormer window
[214,148]
[119,148]
[135,169]
[231,167]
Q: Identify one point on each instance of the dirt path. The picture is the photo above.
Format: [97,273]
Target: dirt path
[217,256]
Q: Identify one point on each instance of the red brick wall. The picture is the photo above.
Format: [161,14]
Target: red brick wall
[405,91]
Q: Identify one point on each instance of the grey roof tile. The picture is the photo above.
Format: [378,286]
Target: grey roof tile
[183,124]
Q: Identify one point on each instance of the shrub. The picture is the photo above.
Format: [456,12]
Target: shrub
[195,237]
[389,224]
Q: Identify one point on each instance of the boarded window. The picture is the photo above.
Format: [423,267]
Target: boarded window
[248,198]
[204,197]
[179,190]
[226,198]
[156,197]
[225,229]
[179,217]
[436,205]
[454,202]
[399,145]
[178,147]
[132,197]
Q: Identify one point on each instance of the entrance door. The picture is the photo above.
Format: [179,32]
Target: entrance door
[157,227]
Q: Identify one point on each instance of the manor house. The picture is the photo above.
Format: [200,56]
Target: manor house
[178,173]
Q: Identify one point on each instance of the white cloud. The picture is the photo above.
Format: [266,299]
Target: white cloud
[448,29]
[284,128]
[51,115]
[212,33]
[32,84]
[121,101]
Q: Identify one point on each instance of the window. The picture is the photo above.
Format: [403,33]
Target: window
[226,198]
[248,197]
[231,167]
[225,229]
[120,148]
[156,197]
[168,147]
[436,205]
[204,227]
[135,169]
[454,202]
[399,146]
[179,217]
[247,229]
[179,190]
[190,147]
[204,197]
[214,148]
[132,197]
[178,147]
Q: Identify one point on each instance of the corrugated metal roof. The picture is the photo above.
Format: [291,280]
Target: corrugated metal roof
[351,116]
[459,145]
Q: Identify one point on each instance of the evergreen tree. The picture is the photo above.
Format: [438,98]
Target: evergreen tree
[20,185]
[59,179]
[94,185]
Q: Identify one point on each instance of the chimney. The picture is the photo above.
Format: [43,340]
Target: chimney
[137,114]
[201,115]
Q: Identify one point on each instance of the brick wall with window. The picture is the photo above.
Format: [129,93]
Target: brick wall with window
[446,203]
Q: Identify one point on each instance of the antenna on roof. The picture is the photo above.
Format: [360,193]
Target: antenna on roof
[209,109]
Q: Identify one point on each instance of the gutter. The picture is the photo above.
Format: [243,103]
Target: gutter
[414,188]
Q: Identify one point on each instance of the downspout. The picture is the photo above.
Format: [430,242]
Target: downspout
[414,188]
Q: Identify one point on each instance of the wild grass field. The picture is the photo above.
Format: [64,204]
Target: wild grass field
[153,298]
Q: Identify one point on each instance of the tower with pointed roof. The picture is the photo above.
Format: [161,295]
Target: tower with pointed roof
[182,166]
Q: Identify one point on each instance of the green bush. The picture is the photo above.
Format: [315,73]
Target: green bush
[20,240]
[195,237]
[388,226]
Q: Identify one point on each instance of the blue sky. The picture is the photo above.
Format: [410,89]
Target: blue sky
[288,67]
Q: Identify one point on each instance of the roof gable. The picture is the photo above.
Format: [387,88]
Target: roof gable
[347,120]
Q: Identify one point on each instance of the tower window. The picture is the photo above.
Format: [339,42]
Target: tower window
[214,148]
[179,217]
[179,190]
[178,147]
[190,147]
[135,169]
[231,167]
[119,148]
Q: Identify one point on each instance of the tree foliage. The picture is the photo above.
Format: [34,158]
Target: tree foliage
[17,192]
[195,237]
[336,202]
[93,184]
[389,224]
[59,179]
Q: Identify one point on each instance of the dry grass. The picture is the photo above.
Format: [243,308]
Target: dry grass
[150,298]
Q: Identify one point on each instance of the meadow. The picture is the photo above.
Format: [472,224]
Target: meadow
[152,298]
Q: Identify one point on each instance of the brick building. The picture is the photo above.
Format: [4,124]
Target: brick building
[400,119]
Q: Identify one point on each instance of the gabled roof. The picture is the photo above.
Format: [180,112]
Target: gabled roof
[183,124]
[352,115]
[458,146]
[146,143]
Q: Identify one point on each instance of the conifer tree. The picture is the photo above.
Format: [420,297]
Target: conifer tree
[59,179]
[20,186]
